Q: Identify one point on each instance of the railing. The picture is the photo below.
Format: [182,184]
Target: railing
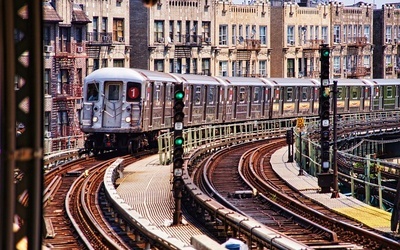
[308,158]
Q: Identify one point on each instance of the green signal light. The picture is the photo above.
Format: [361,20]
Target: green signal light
[178,141]
[179,95]
[325,53]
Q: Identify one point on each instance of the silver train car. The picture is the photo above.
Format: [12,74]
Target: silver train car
[126,109]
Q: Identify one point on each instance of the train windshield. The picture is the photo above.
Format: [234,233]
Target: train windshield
[92,92]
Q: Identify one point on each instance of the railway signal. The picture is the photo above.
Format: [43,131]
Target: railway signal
[324,107]
[179,104]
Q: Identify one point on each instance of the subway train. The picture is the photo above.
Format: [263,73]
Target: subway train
[126,109]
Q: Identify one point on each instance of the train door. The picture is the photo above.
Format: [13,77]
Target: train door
[250,100]
[112,108]
[234,103]
[190,109]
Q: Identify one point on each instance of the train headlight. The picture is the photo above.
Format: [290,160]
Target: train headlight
[128,119]
[95,119]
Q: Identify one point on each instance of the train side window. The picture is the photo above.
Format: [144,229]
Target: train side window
[256,96]
[113,92]
[389,91]
[242,95]
[354,93]
[169,92]
[92,92]
[340,93]
[211,95]
[289,94]
[197,95]
[304,94]
[157,93]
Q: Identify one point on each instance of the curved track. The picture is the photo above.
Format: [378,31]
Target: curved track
[315,219]
[73,209]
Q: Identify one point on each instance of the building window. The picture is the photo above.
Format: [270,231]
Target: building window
[62,123]
[118,63]
[179,30]
[95,28]
[104,25]
[345,40]
[171,32]
[46,35]
[205,66]
[336,34]
[290,67]
[159,31]
[336,64]
[63,81]
[47,122]
[206,30]
[159,65]
[78,35]
[234,34]
[263,34]
[324,34]
[223,68]
[118,29]
[388,60]
[367,33]
[388,34]
[262,67]
[95,64]
[118,3]
[367,63]
[290,35]
[223,34]
[104,63]
[65,39]
[47,82]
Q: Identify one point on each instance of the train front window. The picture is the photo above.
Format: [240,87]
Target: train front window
[92,92]
[113,92]
[242,95]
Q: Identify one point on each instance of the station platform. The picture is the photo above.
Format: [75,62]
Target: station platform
[308,186]
[146,187]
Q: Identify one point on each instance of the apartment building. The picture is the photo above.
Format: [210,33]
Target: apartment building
[201,37]
[387,40]
[78,37]
[351,40]
[298,32]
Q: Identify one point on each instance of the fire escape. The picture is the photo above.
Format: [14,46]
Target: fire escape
[184,45]
[244,50]
[69,91]
[98,44]
[355,50]
[310,52]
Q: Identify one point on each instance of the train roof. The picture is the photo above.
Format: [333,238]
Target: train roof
[244,81]
[385,81]
[292,82]
[127,74]
[351,82]
[197,79]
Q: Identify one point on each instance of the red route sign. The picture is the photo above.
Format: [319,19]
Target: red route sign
[133,92]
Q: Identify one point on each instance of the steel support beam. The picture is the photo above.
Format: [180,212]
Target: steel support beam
[21,102]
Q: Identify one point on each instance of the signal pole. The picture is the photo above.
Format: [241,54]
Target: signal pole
[325,178]
[179,94]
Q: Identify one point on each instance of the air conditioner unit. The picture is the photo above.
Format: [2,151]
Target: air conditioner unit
[79,49]
[121,39]
[48,48]
[161,39]
[208,39]
[47,134]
